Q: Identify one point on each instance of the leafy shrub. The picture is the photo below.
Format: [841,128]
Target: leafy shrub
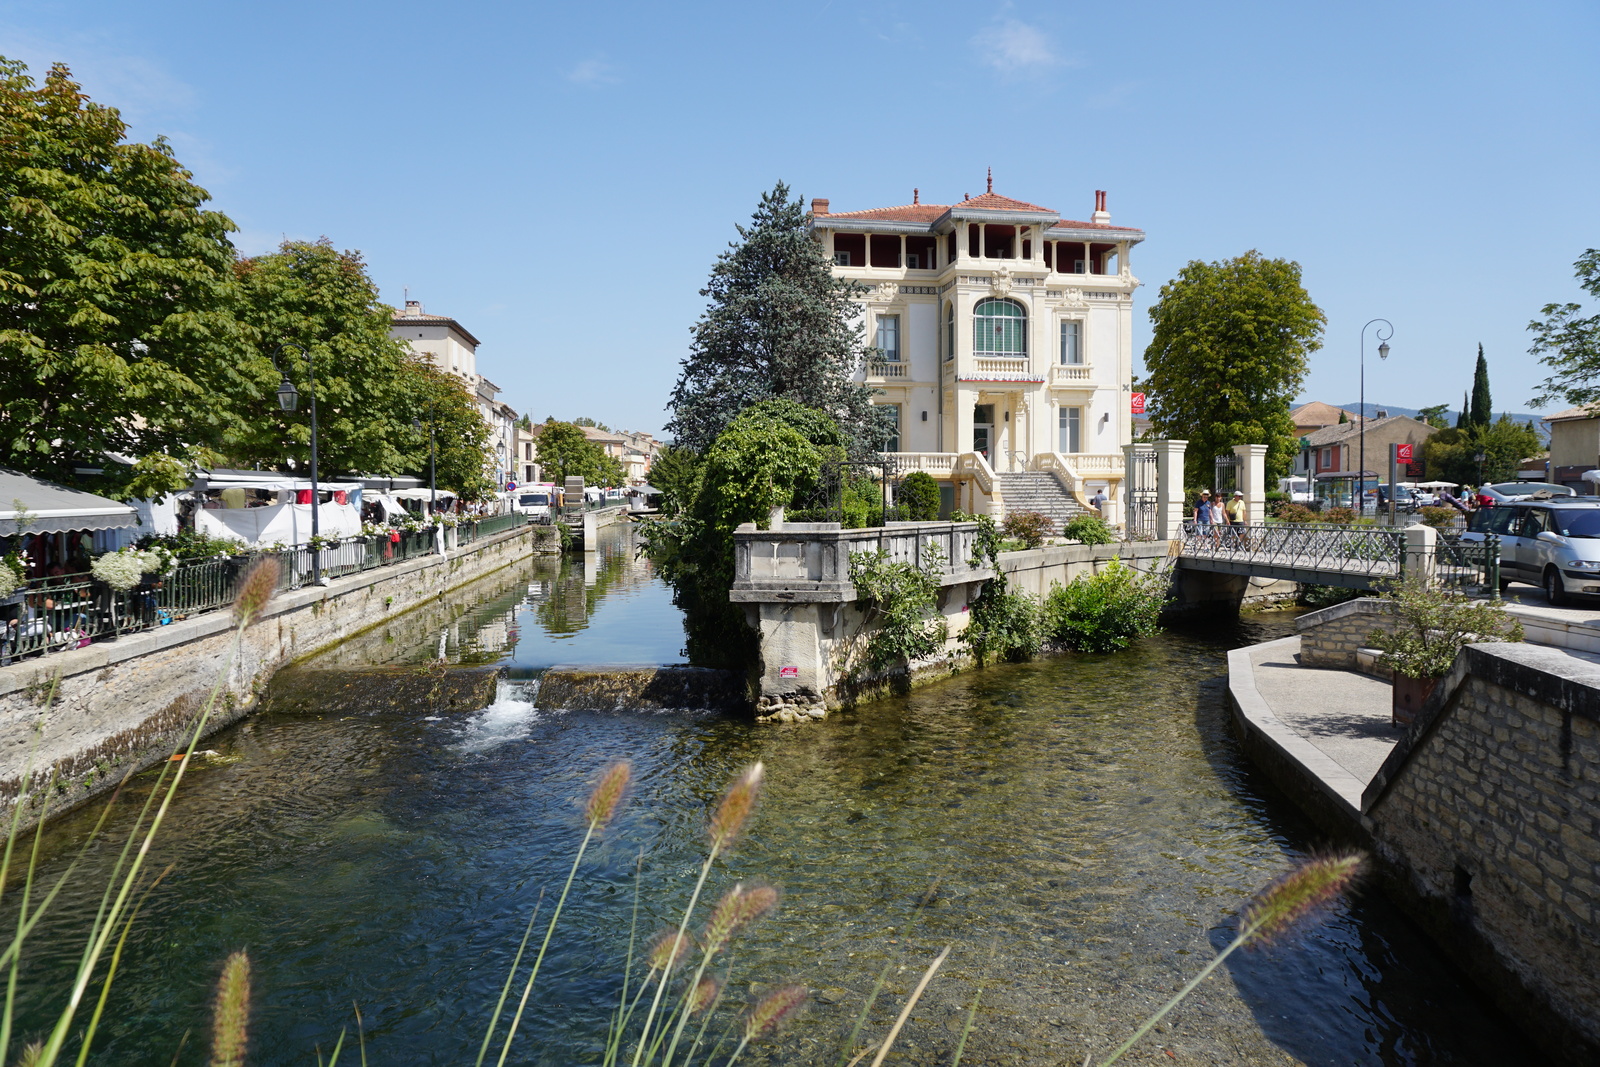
[1439,518]
[1323,596]
[191,544]
[1293,513]
[1089,530]
[1003,626]
[1433,624]
[919,495]
[1029,527]
[1105,611]
[1340,516]
[899,601]
[1276,496]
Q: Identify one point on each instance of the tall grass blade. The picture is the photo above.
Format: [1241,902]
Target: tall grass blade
[111,971]
[511,976]
[966,1028]
[866,1008]
[911,1002]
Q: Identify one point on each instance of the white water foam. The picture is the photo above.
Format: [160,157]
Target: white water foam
[509,717]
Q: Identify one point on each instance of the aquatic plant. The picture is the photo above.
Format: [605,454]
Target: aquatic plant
[1107,610]
[899,603]
[1001,625]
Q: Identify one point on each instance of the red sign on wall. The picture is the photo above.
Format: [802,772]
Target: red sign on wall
[1138,403]
[1404,453]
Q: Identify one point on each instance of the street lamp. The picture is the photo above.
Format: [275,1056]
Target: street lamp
[289,400]
[1480,457]
[1383,353]
[433,492]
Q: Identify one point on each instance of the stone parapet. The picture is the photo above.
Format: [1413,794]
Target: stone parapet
[809,563]
[1335,636]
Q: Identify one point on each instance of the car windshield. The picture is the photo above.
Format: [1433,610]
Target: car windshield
[1578,522]
[530,499]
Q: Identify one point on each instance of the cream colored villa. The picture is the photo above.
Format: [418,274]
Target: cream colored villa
[1004,337]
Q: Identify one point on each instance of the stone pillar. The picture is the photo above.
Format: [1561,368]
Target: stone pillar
[1253,480]
[1421,557]
[1170,501]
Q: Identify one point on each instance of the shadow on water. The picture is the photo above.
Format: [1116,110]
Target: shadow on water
[1075,829]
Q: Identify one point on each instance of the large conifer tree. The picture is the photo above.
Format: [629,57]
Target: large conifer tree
[1481,403]
[779,324]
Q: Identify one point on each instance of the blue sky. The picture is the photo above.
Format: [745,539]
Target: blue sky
[559,177]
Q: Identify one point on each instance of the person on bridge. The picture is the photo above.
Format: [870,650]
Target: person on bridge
[1236,515]
[1201,514]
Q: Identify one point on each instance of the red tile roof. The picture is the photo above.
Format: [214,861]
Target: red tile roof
[930,213]
[1070,224]
[996,202]
[904,213]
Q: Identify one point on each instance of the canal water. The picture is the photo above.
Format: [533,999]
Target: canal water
[1081,831]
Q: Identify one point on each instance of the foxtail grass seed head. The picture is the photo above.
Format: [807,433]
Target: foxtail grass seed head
[32,1055]
[258,586]
[704,995]
[230,1024]
[737,804]
[1302,894]
[669,949]
[608,792]
[773,1010]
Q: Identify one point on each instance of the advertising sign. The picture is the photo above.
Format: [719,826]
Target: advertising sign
[1404,453]
[1138,403]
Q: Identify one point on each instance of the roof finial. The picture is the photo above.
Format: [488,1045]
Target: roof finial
[991,180]
[916,196]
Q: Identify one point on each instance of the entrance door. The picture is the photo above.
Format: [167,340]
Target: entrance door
[983,431]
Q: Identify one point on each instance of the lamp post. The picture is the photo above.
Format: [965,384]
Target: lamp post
[289,400]
[1383,353]
[433,492]
[1480,457]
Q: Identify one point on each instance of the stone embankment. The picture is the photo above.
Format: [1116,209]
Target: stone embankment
[124,705]
[1484,812]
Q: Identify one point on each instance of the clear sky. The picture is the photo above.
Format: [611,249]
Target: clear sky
[559,177]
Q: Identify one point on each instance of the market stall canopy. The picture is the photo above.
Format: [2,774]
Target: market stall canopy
[52,508]
[1592,477]
[271,481]
[420,494]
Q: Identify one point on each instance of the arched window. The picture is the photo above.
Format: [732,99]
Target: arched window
[949,331]
[999,328]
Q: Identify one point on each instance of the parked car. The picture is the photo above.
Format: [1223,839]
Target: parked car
[1501,491]
[1553,543]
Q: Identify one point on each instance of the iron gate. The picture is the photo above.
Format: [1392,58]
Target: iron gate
[1143,505]
[1226,478]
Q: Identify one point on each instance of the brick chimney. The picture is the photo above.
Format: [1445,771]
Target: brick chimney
[819,205]
[413,308]
[1101,216]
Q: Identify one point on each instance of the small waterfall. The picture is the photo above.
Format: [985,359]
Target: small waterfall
[509,717]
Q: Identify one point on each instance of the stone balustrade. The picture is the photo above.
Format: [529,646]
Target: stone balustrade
[809,563]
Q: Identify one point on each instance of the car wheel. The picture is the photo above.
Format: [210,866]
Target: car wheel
[1505,583]
[1554,590]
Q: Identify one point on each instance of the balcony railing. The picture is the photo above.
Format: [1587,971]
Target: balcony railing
[1063,373]
[935,463]
[1017,365]
[887,368]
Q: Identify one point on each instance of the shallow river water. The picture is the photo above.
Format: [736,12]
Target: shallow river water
[1080,830]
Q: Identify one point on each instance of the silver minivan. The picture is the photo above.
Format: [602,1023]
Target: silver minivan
[1551,543]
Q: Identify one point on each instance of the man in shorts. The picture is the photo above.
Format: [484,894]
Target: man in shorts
[1200,513]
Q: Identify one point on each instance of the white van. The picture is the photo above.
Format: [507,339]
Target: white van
[537,501]
[1299,489]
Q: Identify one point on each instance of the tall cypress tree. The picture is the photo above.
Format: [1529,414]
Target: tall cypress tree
[778,325]
[1461,416]
[1480,393]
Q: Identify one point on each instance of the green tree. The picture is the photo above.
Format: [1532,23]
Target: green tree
[311,294]
[779,324]
[1452,454]
[1568,342]
[919,495]
[1482,405]
[461,437]
[676,472]
[117,331]
[1461,417]
[1228,353]
[564,452]
[1435,415]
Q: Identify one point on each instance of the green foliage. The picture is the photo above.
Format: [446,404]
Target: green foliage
[1568,342]
[1299,514]
[900,603]
[460,435]
[1323,596]
[564,452]
[1228,353]
[1439,518]
[117,331]
[1275,496]
[1434,415]
[919,495]
[1030,527]
[1432,624]
[1105,611]
[1451,454]
[1482,407]
[778,324]
[189,544]
[1337,516]
[676,472]
[1001,625]
[1089,530]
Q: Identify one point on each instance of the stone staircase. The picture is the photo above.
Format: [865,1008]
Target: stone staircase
[1039,491]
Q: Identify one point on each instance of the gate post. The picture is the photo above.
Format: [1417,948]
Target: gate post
[1169,489]
[1253,480]
[1420,557]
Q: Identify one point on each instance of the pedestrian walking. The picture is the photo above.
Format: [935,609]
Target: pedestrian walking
[1099,501]
[1219,518]
[1236,517]
[1200,514]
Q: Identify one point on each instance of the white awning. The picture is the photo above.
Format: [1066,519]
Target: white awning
[51,508]
[420,494]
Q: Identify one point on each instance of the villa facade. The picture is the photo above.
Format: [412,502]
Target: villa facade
[1003,336]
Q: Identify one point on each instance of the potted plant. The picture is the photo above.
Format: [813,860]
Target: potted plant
[1431,625]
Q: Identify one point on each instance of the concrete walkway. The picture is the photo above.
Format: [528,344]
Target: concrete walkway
[1320,734]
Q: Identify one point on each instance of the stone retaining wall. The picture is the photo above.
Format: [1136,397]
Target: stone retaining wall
[1331,637]
[1487,815]
[125,705]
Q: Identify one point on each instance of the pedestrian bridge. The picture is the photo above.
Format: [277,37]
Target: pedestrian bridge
[1351,557]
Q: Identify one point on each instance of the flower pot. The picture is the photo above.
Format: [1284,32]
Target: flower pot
[1409,696]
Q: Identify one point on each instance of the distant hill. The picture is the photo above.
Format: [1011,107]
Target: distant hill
[1527,418]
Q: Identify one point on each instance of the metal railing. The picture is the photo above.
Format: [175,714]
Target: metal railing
[53,614]
[1376,552]
[1469,566]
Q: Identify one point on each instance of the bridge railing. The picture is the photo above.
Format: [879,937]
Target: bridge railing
[1378,552]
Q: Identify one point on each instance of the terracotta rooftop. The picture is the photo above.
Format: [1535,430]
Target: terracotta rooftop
[931,213]
[1587,411]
